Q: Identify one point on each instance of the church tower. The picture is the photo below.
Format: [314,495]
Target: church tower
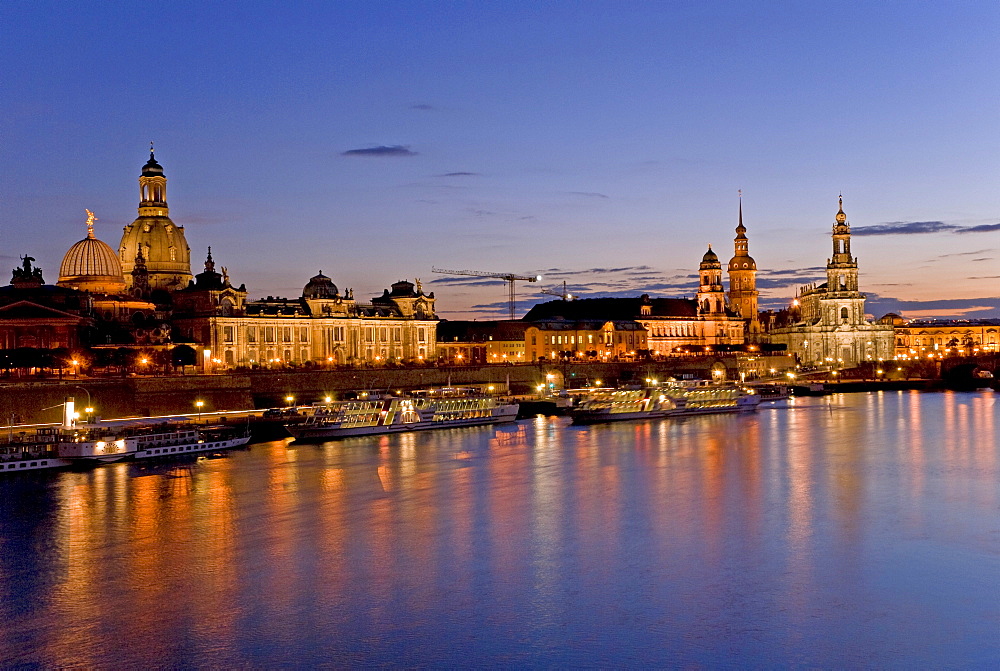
[711,297]
[163,246]
[842,268]
[743,278]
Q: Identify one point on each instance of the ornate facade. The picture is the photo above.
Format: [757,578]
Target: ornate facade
[829,325]
[322,327]
[918,339]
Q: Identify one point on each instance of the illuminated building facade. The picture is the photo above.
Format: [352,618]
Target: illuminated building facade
[918,339]
[322,327]
[829,326]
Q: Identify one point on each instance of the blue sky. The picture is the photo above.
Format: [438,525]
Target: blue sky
[601,144]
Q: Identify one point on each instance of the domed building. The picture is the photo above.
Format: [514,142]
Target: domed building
[154,237]
[91,265]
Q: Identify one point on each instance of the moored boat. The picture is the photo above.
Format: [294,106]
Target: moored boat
[669,400]
[618,405]
[93,444]
[375,414]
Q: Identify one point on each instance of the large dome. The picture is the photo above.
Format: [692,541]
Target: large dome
[91,265]
[320,286]
[164,247]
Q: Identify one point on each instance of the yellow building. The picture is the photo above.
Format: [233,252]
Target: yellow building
[919,338]
[557,339]
[322,327]
[480,342]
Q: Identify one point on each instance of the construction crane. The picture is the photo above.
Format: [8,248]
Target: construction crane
[565,295]
[509,278]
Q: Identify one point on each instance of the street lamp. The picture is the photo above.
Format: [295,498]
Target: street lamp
[200,405]
[289,400]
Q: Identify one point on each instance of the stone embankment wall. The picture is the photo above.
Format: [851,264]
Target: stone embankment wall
[139,396]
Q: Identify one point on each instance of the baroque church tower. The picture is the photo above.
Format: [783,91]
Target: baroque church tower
[842,268]
[743,280]
[711,296]
[161,243]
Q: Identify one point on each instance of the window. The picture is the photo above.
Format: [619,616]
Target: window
[252,334]
[286,334]
[422,335]
[303,334]
[397,334]
[269,334]
[229,334]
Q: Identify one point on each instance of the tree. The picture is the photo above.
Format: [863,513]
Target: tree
[183,355]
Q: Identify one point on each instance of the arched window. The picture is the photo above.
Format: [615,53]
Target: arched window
[843,313]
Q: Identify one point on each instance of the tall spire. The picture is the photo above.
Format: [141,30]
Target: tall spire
[741,229]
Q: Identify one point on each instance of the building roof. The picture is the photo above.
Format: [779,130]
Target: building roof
[614,308]
[91,259]
[471,331]
[320,286]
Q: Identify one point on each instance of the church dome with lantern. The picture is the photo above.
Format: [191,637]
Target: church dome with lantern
[91,265]
[161,242]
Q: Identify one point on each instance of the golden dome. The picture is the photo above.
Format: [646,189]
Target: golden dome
[168,258]
[91,265]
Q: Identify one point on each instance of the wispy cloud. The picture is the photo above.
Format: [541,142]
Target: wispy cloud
[956,308]
[982,228]
[462,174]
[920,227]
[903,227]
[381,151]
[588,194]
[973,253]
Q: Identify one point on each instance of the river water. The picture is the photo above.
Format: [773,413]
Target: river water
[849,531]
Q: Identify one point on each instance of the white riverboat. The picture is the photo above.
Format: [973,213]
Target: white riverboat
[617,405]
[105,442]
[145,439]
[669,400]
[373,414]
[31,450]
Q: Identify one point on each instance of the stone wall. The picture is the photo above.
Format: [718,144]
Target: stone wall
[138,396]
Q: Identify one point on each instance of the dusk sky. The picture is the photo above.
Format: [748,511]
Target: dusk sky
[601,144]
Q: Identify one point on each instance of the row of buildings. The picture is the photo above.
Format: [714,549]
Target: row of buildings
[145,294]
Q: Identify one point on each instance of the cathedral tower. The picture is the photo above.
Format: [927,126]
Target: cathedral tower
[711,296]
[163,246]
[842,268]
[743,277]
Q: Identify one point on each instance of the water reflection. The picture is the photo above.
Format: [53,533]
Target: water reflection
[813,535]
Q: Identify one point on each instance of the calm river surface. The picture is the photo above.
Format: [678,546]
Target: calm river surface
[851,531]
